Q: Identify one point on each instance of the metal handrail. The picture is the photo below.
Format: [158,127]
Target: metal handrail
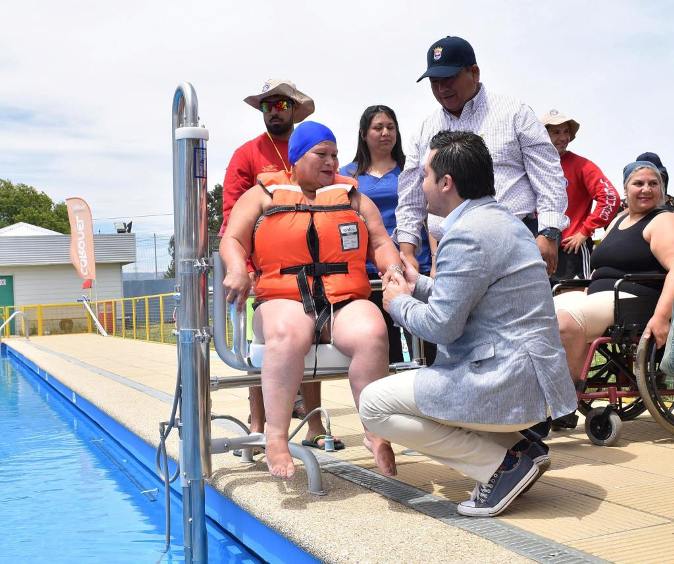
[15,314]
[236,356]
[85,302]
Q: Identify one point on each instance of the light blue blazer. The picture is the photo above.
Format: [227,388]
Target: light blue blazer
[500,359]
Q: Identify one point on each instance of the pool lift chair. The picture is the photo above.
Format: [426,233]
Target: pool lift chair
[241,354]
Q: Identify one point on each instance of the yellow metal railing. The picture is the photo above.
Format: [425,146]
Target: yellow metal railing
[149,318]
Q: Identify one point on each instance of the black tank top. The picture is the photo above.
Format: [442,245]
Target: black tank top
[624,251]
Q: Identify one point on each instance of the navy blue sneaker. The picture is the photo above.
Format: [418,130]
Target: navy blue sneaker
[534,448]
[500,491]
[539,452]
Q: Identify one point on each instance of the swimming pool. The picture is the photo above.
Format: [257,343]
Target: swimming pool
[70,493]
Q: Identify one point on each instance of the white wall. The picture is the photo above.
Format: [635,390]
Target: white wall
[58,283]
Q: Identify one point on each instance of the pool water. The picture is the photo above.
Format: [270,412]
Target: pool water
[71,494]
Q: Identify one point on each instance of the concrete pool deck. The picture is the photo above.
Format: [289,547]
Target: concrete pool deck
[594,504]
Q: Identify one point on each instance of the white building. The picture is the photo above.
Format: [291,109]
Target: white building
[35,266]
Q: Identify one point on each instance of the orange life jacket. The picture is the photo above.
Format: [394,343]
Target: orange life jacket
[310,252]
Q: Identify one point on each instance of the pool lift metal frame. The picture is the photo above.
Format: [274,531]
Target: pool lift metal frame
[193,383]
[193,334]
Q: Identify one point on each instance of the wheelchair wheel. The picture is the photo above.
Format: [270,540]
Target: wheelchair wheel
[656,388]
[612,367]
[601,429]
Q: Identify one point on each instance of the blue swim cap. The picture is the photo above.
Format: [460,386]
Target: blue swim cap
[307,135]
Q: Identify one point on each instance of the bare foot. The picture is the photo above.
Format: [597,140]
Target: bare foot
[383,454]
[279,461]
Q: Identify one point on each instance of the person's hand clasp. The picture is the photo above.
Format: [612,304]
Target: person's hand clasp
[398,282]
[396,286]
[237,287]
[411,272]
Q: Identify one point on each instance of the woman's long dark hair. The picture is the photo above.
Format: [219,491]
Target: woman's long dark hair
[363,158]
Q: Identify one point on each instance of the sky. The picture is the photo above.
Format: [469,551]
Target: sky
[86,87]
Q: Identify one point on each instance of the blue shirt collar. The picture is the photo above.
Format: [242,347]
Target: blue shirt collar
[450,220]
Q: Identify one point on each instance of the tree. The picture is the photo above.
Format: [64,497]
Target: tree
[171,270]
[214,210]
[20,202]
[214,199]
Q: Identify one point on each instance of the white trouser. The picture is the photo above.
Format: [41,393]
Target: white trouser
[388,409]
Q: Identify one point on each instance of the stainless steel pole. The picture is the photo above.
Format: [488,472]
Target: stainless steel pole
[190,229]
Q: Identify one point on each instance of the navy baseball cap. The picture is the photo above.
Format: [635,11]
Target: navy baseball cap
[447,57]
[655,159]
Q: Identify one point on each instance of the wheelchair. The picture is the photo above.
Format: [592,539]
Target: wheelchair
[621,379]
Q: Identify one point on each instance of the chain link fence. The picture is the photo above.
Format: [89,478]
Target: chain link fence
[154,256]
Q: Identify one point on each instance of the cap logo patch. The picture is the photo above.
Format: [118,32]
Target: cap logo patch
[554,112]
[437,53]
[266,87]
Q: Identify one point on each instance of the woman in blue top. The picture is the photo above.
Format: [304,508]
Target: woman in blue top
[377,165]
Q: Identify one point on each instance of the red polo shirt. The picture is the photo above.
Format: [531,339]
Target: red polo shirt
[252,158]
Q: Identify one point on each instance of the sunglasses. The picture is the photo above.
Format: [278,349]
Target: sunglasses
[279,106]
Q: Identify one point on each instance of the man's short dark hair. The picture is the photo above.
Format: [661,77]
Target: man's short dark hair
[465,157]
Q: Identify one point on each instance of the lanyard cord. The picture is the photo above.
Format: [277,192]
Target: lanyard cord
[278,153]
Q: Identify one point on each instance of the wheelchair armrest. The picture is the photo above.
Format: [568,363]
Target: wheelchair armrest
[564,284]
[640,277]
[643,277]
[646,302]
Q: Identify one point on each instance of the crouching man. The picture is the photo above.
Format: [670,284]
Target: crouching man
[500,362]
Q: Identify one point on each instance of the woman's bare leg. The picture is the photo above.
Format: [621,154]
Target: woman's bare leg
[574,341]
[360,332]
[287,332]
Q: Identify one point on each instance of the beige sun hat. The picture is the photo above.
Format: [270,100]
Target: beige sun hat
[304,106]
[555,117]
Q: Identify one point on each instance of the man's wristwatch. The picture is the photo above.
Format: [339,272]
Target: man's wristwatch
[551,233]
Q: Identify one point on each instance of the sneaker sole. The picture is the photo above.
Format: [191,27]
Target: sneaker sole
[543,463]
[499,508]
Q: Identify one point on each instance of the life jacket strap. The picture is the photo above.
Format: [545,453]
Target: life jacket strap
[321,320]
[315,269]
[318,268]
[306,208]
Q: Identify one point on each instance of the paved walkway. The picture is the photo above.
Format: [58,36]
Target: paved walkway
[595,503]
